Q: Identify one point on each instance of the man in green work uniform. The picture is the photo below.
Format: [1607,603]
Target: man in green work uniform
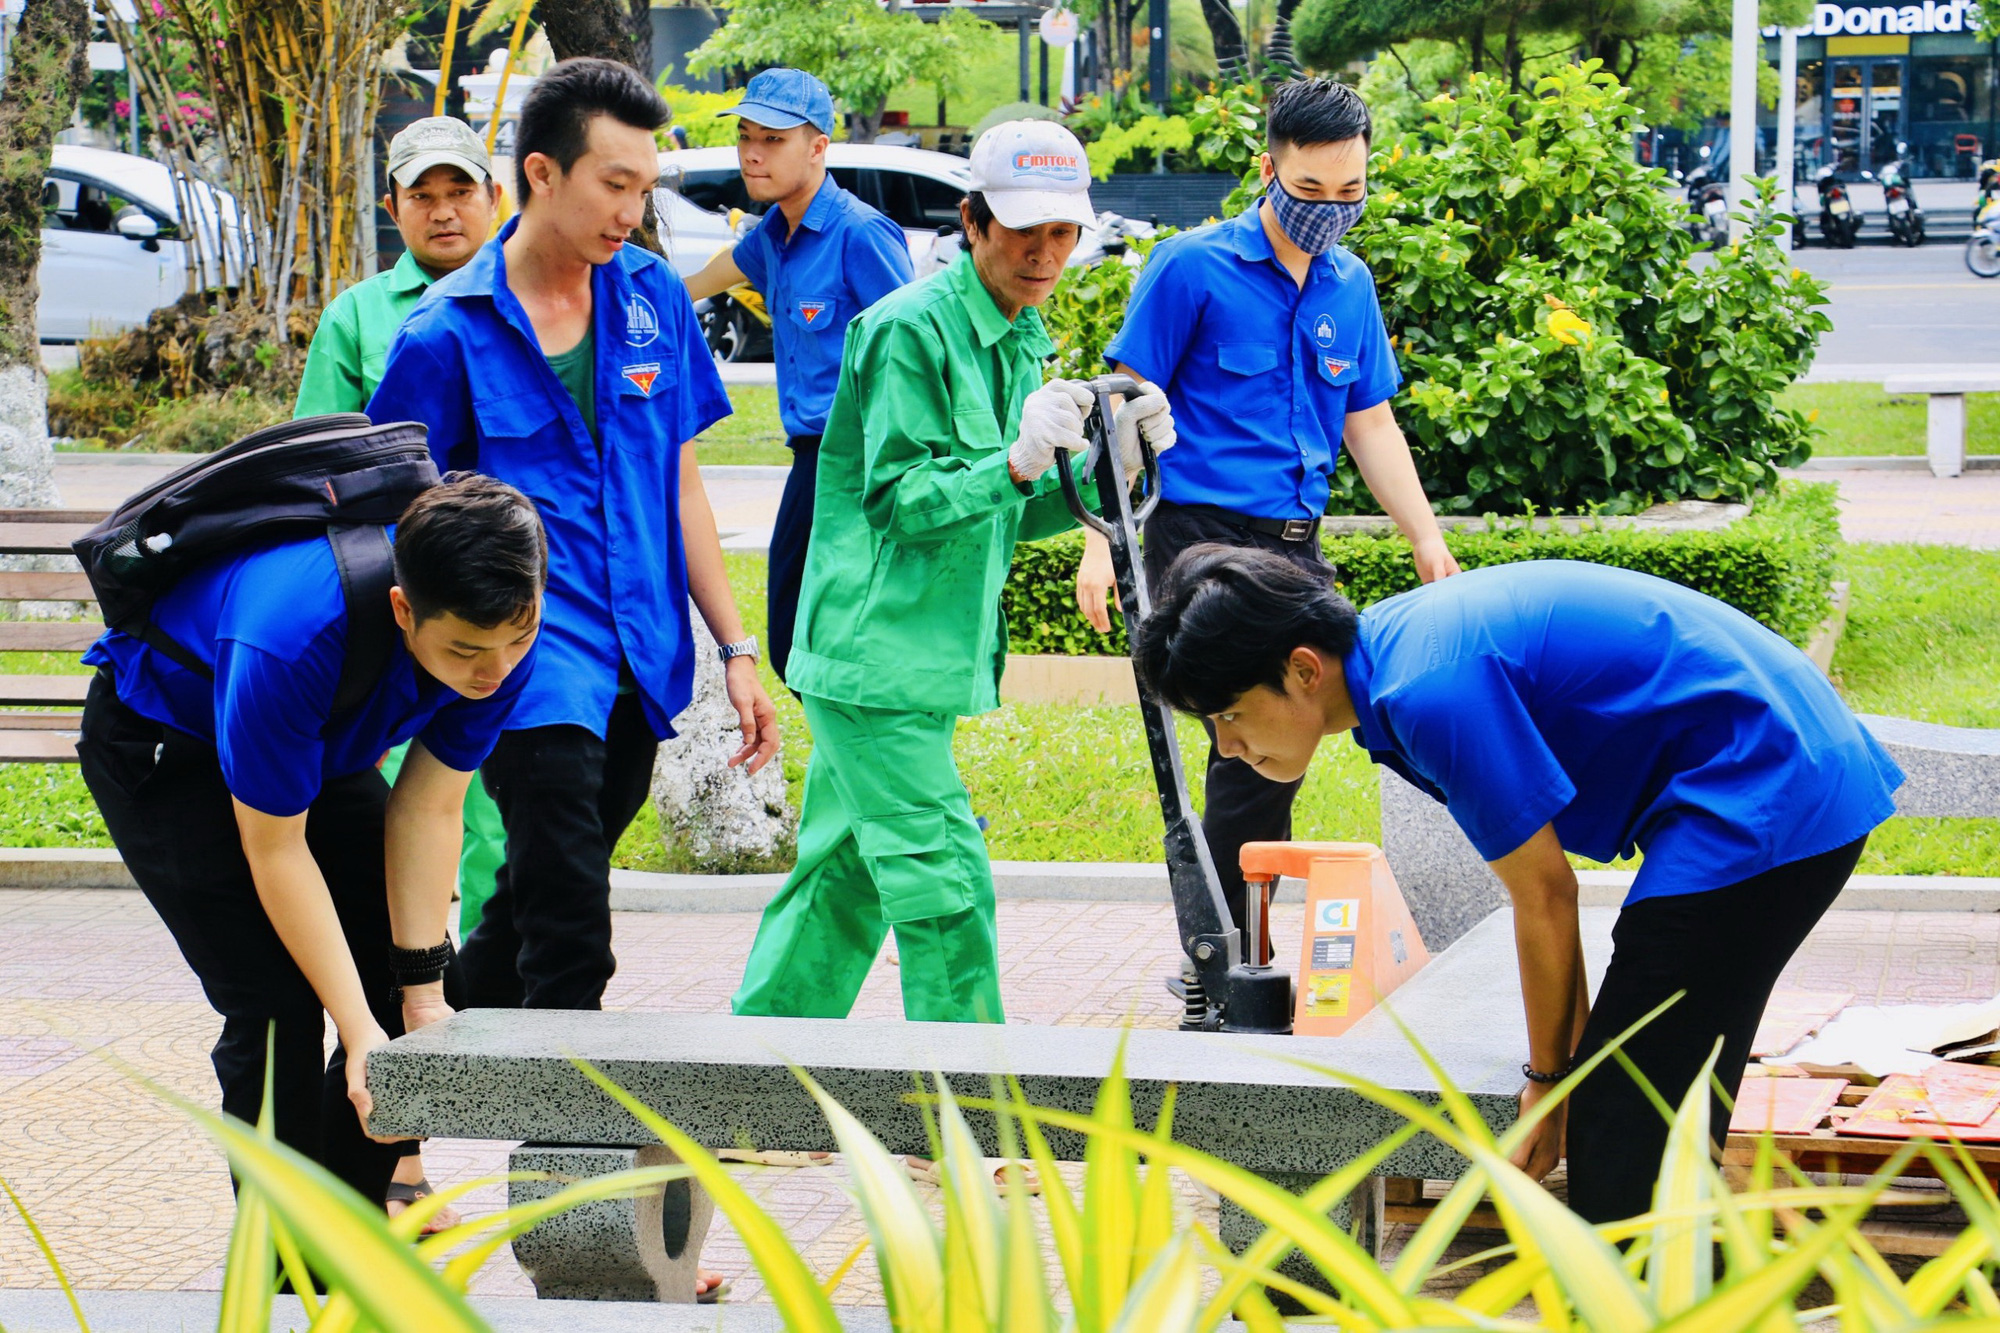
[938,456]
[442,197]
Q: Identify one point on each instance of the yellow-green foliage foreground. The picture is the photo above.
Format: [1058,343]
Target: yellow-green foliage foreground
[1127,1265]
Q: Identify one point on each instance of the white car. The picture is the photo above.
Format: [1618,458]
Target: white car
[113,247]
[915,188]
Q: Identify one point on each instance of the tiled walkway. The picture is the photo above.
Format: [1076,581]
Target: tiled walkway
[94,998]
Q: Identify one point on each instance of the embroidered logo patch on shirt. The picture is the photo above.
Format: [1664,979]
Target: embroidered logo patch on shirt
[642,376]
[1335,366]
[642,323]
[1323,331]
[812,310]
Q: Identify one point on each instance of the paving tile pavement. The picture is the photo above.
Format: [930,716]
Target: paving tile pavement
[1917,507]
[94,997]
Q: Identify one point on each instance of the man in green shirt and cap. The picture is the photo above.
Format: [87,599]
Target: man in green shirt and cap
[442,197]
[938,456]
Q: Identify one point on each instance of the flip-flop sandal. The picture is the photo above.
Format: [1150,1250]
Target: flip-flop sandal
[774,1157]
[1031,1183]
[713,1295]
[407,1194]
[924,1171]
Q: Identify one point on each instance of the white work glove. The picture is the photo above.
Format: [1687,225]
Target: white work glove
[1146,412]
[1051,419]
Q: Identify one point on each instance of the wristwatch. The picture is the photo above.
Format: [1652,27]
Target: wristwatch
[747,648]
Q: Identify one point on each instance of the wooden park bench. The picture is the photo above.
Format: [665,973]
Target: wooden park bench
[725,1082]
[41,716]
[1944,440]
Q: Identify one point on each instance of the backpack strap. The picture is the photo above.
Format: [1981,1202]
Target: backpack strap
[362,553]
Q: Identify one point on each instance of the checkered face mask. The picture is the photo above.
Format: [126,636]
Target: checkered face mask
[1313,225]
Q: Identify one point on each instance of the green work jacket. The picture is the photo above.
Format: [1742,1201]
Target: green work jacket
[915,516]
[351,345]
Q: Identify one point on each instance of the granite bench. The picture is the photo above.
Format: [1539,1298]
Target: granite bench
[1945,422]
[726,1081]
[1950,772]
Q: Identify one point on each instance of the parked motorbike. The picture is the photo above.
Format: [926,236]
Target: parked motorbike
[736,324]
[1906,218]
[1708,207]
[1839,219]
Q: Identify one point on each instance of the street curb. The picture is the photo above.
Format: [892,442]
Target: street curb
[1887,463]
[1019,881]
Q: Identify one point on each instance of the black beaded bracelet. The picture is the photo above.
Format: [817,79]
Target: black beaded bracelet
[419,967]
[1535,1075]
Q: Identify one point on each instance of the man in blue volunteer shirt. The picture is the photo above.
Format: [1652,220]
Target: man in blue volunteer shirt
[1557,707]
[1267,338]
[567,361]
[254,819]
[820,257]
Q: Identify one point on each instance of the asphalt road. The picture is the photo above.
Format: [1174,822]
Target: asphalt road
[1904,308]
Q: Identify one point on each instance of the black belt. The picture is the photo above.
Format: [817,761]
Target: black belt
[1285,529]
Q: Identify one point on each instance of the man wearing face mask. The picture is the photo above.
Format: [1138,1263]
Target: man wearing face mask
[1267,338]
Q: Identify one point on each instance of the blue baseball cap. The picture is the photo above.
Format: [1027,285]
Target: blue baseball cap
[782,98]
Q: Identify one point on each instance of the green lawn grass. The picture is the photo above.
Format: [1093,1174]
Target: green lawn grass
[1860,419]
[1074,784]
[750,434]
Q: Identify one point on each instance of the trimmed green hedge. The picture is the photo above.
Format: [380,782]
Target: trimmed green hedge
[1776,565]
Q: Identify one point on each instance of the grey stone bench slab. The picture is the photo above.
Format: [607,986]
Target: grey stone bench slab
[726,1081]
[1949,772]
[1944,435]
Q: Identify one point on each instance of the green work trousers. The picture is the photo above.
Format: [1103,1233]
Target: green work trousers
[886,839]
[483,849]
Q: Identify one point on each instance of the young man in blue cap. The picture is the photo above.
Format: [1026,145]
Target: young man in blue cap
[1267,338]
[1553,707]
[820,257]
[569,363]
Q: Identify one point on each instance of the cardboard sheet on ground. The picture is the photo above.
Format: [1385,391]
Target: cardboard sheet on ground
[1946,1101]
[1784,1105]
[1891,1039]
[1793,1015]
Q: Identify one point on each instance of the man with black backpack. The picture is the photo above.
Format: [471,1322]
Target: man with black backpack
[281,614]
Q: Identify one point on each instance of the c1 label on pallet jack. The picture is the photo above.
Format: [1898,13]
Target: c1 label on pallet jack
[1359,942]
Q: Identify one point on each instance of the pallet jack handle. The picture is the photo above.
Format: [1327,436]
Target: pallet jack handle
[1225,992]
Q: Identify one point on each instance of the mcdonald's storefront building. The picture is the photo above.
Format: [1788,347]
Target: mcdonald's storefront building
[1871,77]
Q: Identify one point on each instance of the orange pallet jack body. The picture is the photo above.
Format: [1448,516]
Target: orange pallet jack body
[1359,942]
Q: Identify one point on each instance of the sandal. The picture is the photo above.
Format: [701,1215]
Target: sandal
[407,1194]
[713,1295]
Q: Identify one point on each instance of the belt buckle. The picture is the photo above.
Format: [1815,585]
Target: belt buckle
[1297,529]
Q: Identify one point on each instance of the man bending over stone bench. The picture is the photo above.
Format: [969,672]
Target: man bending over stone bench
[1553,707]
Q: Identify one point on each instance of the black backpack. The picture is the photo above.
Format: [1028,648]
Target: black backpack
[339,475]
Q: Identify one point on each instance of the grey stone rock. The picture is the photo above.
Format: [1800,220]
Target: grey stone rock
[1950,771]
[717,817]
[642,1248]
[27,474]
[1449,888]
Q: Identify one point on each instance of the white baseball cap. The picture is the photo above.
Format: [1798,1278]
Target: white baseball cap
[437,141]
[1031,172]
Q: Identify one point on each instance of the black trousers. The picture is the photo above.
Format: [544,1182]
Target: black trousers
[1725,949]
[169,811]
[1240,804]
[565,797]
[789,534]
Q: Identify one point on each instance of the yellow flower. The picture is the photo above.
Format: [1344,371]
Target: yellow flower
[1555,303]
[1396,154]
[1663,395]
[1567,329]
[1450,214]
[1813,415]
[1798,273]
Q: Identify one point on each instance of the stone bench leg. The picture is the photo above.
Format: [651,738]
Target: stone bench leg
[1945,434]
[1448,887]
[636,1249]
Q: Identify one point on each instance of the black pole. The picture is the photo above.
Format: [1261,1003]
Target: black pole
[1157,64]
[1022,28]
[1045,74]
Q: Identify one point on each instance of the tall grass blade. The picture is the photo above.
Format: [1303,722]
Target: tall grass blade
[48,1255]
[1110,1205]
[1680,1270]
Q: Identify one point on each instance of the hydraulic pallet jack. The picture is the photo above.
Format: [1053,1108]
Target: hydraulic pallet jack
[1224,992]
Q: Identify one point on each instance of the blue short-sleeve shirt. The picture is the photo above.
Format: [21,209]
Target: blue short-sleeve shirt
[1632,713]
[1261,373]
[467,365]
[271,623]
[843,258]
